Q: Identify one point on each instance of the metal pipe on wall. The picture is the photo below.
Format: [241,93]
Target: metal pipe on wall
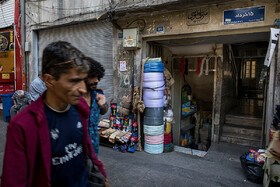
[23,36]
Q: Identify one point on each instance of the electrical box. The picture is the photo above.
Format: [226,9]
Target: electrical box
[131,38]
[27,47]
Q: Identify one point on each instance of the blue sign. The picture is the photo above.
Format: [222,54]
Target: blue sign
[160,29]
[244,15]
[120,35]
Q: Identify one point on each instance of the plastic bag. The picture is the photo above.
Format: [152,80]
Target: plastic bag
[252,169]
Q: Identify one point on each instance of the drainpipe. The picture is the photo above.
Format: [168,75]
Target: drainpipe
[18,48]
[23,36]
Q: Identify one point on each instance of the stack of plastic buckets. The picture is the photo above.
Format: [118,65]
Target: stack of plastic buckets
[153,87]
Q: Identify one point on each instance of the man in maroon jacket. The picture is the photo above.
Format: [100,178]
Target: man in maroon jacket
[48,143]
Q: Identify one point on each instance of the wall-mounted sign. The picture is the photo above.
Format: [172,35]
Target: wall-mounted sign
[123,66]
[120,35]
[160,29]
[198,16]
[6,41]
[244,15]
[5,76]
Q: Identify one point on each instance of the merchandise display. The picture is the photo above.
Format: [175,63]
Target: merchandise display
[122,130]
[153,87]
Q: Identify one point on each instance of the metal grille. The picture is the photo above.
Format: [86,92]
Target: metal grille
[94,39]
[7,13]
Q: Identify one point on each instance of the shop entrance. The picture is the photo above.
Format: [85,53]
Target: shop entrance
[193,68]
[218,79]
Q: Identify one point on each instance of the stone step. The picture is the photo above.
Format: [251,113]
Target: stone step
[243,130]
[244,121]
[241,139]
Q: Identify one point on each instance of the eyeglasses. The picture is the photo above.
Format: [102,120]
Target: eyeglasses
[67,62]
[76,61]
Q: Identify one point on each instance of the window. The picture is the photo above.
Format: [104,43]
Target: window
[250,69]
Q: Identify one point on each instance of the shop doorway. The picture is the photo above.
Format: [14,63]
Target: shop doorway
[230,98]
[191,96]
[244,120]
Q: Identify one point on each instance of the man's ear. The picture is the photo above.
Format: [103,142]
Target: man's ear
[49,80]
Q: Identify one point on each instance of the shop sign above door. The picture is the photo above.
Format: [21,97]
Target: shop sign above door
[198,16]
[244,15]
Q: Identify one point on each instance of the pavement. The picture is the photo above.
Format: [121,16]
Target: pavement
[220,166]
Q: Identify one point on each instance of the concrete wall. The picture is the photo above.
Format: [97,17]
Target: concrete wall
[229,84]
[175,23]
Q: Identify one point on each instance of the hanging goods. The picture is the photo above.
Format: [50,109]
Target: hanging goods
[153,130]
[167,138]
[153,149]
[167,127]
[140,107]
[153,121]
[168,148]
[153,67]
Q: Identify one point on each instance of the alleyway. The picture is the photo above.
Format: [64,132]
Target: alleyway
[220,167]
[176,169]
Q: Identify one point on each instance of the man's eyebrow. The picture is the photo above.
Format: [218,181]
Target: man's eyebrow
[77,79]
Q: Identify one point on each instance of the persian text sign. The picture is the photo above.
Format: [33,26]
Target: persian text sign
[197,16]
[244,15]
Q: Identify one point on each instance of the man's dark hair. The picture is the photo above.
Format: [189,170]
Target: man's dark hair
[60,56]
[95,69]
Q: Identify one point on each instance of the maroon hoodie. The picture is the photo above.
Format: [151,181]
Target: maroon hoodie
[27,158]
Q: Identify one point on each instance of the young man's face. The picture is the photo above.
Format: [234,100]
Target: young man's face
[92,83]
[70,86]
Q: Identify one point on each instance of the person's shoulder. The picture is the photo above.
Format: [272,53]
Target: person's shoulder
[23,118]
[29,114]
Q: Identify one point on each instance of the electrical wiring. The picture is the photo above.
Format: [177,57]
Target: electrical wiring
[63,9]
[61,18]
[71,16]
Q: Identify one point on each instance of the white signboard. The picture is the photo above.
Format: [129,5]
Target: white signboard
[123,66]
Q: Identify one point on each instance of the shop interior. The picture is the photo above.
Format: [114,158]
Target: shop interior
[193,65]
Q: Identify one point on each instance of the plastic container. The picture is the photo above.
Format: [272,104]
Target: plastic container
[152,121]
[154,112]
[153,149]
[153,67]
[151,94]
[155,86]
[153,103]
[153,130]
[158,139]
[153,76]
[7,105]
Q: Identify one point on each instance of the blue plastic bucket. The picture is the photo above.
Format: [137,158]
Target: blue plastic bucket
[153,67]
[7,105]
